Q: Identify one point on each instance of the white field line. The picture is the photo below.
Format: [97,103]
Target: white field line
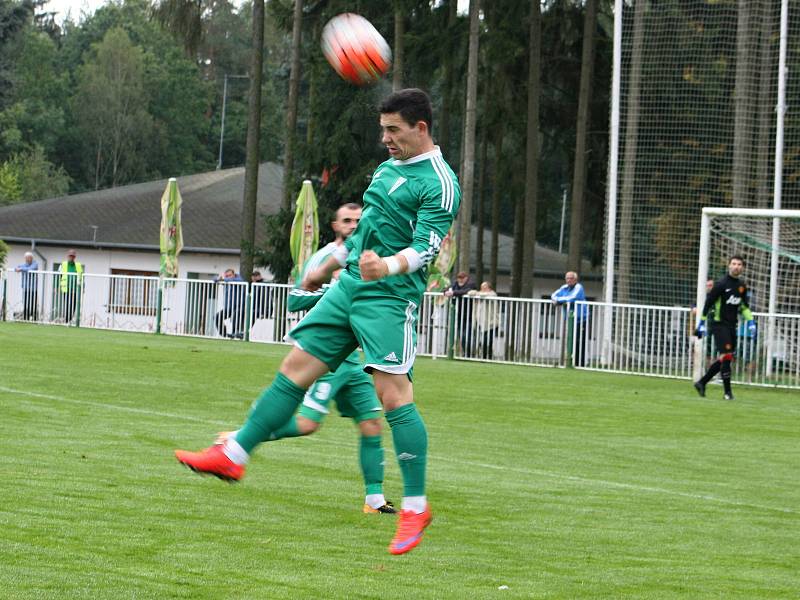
[521,471]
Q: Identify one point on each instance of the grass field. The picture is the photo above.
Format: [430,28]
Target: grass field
[554,483]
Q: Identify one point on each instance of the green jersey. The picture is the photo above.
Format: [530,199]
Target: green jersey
[300,299]
[409,204]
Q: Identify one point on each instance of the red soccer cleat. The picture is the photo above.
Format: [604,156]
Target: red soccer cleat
[409,530]
[211,461]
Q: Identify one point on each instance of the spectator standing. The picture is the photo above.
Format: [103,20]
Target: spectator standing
[28,283]
[463,285]
[485,314]
[232,304]
[261,297]
[70,281]
[567,295]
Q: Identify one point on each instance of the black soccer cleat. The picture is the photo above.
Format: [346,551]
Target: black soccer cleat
[701,388]
[728,396]
[387,508]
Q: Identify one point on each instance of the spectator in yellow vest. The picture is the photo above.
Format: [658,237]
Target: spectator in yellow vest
[70,283]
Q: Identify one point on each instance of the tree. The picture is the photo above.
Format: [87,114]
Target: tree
[110,105]
[3,253]
[184,18]
[10,188]
[13,18]
[625,264]
[448,75]
[581,164]
[253,135]
[468,165]
[36,114]
[532,150]
[291,106]
[399,46]
[743,102]
[29,176]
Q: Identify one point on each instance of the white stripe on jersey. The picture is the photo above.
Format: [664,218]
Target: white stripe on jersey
[447,184]
[302,292]
[408,334]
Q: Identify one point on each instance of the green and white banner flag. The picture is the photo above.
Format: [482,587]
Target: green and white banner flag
[304,238]
[171,236]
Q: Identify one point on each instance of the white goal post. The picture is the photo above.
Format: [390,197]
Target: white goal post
[758,233]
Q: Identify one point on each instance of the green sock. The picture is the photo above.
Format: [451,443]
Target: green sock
[285,431]
[371,459]
[271,411]
[411,446]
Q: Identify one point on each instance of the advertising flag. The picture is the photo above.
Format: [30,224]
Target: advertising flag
[439,273]
[304,238]
[171,236]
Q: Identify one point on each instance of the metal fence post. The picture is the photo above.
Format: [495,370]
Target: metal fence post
[570,335]
[451,328]
[5,290]
[159,307]
[247,305]
[78,302]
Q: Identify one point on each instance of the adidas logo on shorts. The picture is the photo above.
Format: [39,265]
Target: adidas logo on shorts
[391,357]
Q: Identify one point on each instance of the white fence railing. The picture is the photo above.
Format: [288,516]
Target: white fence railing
[644,340]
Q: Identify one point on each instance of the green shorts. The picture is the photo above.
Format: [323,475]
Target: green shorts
[349,387]
[355,313]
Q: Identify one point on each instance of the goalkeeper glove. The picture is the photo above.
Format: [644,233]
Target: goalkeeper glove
[751,328]
[701,329]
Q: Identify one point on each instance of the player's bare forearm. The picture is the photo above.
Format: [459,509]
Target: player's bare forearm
[373,267]
[321,275]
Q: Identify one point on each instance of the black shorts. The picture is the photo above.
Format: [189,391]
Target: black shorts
[724,337]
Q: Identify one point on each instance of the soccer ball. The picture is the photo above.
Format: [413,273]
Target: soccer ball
[355,49]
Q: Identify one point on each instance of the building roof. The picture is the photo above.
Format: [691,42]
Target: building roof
[547,262]
[130,216]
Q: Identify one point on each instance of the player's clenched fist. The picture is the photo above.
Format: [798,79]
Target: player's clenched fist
[372,266]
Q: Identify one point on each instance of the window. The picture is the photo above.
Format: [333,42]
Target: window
[133,292]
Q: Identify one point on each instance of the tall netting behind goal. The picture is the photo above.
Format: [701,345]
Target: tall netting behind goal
[699,89]
[752,238]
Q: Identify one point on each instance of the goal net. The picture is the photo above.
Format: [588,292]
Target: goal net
[697,127]
[769,243]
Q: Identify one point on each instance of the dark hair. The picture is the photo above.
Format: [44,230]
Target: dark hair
[350,206]
[736,257]
[412,104]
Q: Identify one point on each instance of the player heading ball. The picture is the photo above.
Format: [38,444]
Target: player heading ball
[409,206]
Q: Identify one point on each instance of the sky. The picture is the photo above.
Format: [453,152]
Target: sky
[75,8]
[78,7]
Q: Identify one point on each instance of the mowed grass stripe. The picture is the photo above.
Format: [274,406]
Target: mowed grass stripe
[580,480]
[93,504]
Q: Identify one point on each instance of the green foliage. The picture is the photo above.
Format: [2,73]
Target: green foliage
[604,486]
[36,113]
[3,253]
[10,188]
[29,176]
[110,105]
[14,16]
[275,252]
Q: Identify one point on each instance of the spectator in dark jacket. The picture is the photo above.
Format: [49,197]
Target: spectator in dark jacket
[459,290]
[233,304]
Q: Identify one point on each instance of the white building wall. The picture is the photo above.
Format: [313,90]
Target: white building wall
[101,262]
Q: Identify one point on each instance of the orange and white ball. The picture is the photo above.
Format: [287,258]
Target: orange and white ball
[355,49]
